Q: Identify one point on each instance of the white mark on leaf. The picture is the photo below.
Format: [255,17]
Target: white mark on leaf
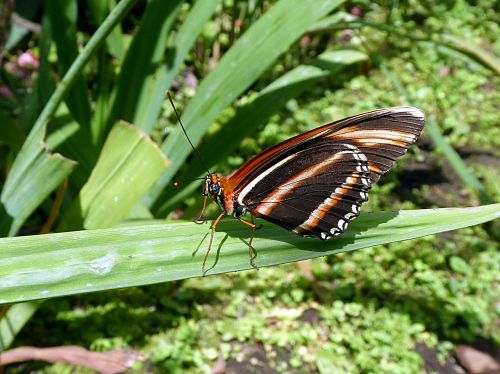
[103,264]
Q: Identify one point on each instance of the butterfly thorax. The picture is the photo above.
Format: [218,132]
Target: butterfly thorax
[219,189]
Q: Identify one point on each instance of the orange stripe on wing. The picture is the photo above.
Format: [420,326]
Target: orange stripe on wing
[322,209]
[296,180]
[374,168]
[372,138]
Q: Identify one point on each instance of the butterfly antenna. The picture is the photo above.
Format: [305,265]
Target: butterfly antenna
[185,133]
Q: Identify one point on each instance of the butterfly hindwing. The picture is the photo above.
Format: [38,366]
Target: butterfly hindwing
[316,191]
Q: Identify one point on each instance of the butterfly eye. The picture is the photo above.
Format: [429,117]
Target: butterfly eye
[214,189]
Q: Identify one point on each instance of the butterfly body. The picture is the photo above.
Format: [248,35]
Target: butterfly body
[314,184]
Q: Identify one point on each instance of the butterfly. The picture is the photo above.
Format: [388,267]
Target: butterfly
[314,184]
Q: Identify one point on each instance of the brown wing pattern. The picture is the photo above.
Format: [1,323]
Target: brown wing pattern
[383,135]
[407,121]
[314,184]
[321,193]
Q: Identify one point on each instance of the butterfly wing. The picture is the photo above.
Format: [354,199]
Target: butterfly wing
[314,184]
[383,135]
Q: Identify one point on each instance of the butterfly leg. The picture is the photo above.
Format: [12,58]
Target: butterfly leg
[250,248]
[214,226]
[201,218]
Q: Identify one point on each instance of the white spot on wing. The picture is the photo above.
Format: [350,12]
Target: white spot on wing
[341,224]
[415,112]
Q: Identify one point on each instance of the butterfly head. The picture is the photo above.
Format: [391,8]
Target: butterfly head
[212,185]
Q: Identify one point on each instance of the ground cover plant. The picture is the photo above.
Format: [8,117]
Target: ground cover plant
[88,141]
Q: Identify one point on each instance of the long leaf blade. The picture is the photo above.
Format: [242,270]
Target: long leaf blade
[137,77]
[38,267]
[63,22]
[176,54]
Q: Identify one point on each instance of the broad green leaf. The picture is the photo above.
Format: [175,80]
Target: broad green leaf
[43,266]
[240,66]
[132,144]
[137,77]
[127,167]
[250,115]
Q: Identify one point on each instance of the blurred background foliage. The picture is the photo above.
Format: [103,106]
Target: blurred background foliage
[369,311]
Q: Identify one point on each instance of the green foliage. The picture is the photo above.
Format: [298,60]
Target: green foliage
[268,70]
[93,260]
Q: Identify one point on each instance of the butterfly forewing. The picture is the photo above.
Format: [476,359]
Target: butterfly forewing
[314,184]
[383,135]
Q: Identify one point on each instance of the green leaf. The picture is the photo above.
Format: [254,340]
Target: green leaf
[63,22]
[13,321]
[458,265]
[27,187]
[249,116]
[127,167]
[43,266]
[149,109]
[240,66]
[325,360]
[486,59]
[34,165]
[99,9]
[137,77]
